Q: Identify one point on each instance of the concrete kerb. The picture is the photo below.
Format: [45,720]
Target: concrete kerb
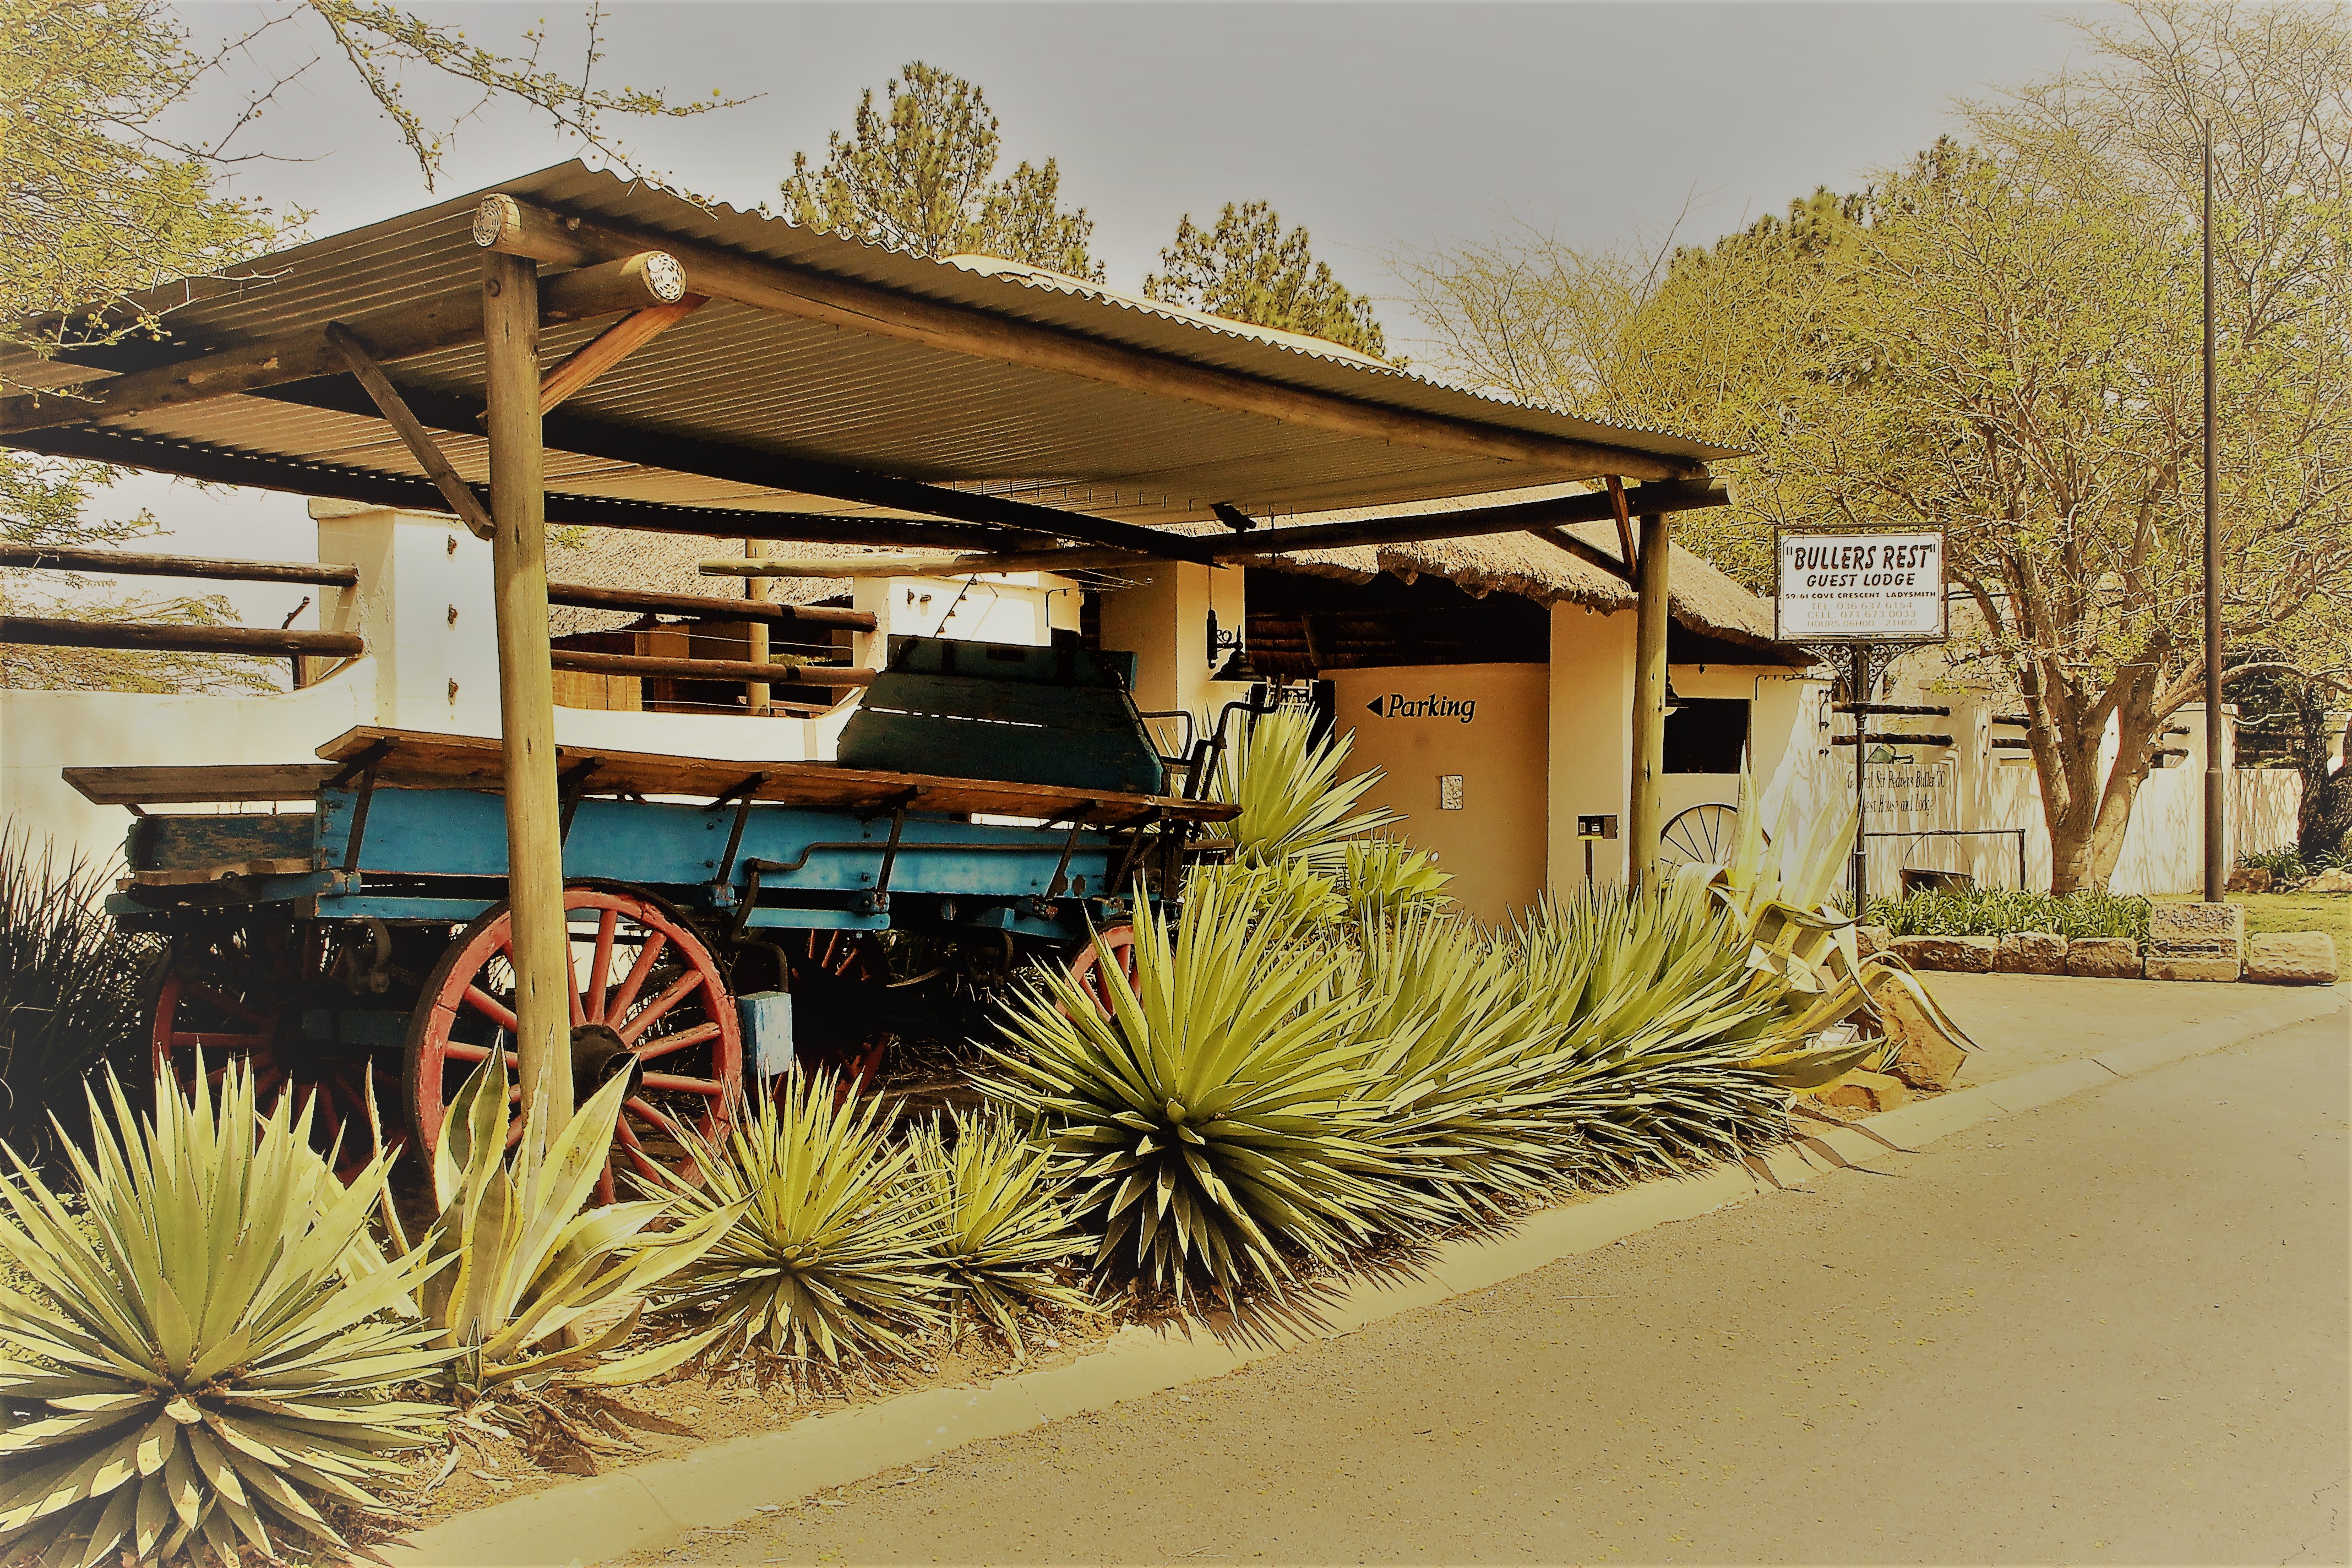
[607,1517]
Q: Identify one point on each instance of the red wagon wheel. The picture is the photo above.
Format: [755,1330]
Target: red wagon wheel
[1111,946]
[646,999]
[238,995]
[855,957]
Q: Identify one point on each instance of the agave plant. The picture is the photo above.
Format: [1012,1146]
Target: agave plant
[208,1349]
[1801,948]
[1288,900]
[1003,1225]
[1219,1115]
[530,1262]
[1389,877]
[1657,1038]
[1465,1061]
[829,1241]
[1293,803]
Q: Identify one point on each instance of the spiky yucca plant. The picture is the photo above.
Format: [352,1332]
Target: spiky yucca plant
[1293,803]
[1003,1226]
[1219,1115]
[212,1341]
[830,1242]
[529,1261]
[1664,1055]
[1389,877]
[1801,954]
[1464,1062]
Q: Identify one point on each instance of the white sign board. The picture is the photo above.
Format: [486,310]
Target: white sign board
[1861,587]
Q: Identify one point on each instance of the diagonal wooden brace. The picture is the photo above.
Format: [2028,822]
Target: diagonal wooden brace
[413,435]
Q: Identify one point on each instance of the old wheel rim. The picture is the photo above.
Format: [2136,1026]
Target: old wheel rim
[639,975]
[239,996]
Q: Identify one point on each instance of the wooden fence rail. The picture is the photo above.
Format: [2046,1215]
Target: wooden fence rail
[33,631]
[50,559]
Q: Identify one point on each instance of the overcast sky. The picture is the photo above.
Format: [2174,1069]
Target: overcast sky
[1378,126]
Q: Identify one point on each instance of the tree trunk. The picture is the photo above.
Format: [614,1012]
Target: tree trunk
[2087,826]
[2325,816]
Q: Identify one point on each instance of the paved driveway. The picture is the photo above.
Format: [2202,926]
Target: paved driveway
[2111,1330]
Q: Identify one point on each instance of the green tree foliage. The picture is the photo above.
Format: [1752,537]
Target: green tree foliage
[102,196]
[2000,339]
[1246,268]
[916,175]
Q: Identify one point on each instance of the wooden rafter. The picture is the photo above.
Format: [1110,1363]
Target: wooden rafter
[444,321]
[611,346]
[413,435]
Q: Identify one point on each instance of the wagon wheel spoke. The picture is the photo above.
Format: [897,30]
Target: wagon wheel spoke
[600,966]
[626,1136]
[251,1014]
[647,956]
[660,1005]
[677,1083]
[669,1044]
[459,1050]
[490,1007]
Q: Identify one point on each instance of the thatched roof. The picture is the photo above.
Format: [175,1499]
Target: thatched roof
[1705,599]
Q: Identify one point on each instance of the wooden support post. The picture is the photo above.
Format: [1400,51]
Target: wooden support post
[542,951]
[1645,806]
[755,694]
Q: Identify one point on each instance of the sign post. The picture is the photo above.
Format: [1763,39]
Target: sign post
[1853,595]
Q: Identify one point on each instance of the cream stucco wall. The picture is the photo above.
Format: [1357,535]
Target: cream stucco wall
[1588,736]
[1160,616]
[1488,726]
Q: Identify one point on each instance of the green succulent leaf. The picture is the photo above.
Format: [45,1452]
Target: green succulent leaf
[217,1266]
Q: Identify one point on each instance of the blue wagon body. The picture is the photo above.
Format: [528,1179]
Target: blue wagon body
[357,946]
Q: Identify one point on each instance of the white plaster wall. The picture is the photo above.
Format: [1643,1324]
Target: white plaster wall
[1024,607]
[42,732]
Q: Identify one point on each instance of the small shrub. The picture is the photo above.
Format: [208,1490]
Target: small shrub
[1003,1226]
[1994,912]
[73,993]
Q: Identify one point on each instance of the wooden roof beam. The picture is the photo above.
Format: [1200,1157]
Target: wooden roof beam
[214,465]
[1542,518]
[519,228]
[1027,525]
[444,321]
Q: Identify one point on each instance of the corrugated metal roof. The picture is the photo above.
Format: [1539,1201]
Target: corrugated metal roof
[768,382]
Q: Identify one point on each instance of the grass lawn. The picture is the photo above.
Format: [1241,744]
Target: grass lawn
[2269,914]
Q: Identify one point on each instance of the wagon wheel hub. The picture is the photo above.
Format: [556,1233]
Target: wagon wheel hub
[599,1055]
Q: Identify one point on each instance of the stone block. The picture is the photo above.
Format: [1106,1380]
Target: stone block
[1869,940]
[2031,953]
[1924,1059]
[2249,879]
[2158,966]
[2294,958]
[2196,931]
[2104,957]
[1959,954]
[2334,880]
[1861,1091]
